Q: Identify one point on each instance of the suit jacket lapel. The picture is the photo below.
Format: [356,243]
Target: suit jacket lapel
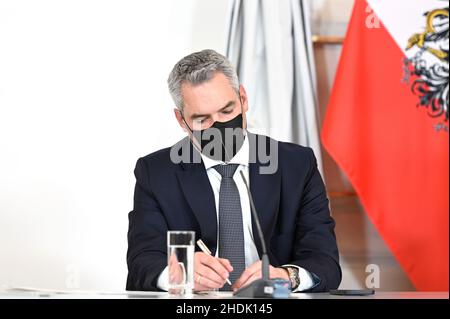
[197,190]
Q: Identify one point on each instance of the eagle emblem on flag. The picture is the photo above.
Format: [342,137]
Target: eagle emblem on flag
[428,61]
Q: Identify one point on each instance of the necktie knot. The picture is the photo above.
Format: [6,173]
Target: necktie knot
[227,171]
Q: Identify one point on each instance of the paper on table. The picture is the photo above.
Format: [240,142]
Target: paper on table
[70,293]
[81,292]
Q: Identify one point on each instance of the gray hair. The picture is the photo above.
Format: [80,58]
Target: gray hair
[197,68]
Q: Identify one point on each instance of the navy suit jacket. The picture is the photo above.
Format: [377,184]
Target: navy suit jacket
[292,206]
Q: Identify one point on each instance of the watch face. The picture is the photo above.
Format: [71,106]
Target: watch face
[293,276]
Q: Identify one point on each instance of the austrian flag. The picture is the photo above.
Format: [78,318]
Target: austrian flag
[387,127]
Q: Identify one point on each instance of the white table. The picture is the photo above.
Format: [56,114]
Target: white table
[47,294]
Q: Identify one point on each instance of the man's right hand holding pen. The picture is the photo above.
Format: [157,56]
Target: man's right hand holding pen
[210,272]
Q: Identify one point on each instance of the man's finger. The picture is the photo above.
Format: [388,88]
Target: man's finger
[244,277]
[252,278]
[226,263]
[215,265]
[209,273]
[247,273]
[205,282]
[199,286]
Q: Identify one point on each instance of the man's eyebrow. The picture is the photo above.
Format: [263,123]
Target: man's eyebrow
[231,103]
[195,115]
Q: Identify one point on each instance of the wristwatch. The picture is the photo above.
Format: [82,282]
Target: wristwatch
[294,278]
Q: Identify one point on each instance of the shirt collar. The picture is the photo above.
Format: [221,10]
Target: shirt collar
[241,157]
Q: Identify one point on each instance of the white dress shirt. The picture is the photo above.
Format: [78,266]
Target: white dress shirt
[251,253]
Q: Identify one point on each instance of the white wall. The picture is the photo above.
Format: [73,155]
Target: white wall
[82,96]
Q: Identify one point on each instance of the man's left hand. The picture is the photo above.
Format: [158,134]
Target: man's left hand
[253,273]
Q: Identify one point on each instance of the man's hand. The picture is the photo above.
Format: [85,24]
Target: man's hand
[210,272]
[254,272]
[176,271]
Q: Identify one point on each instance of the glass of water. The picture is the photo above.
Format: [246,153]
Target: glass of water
[180,261]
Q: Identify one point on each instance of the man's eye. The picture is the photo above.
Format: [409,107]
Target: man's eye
[227,112]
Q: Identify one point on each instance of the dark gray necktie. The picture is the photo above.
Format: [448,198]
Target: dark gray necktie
[231,232]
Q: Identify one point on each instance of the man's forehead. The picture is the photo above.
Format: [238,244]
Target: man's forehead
[209,109]
[208,97]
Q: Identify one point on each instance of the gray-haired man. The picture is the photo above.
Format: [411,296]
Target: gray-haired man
[208,196]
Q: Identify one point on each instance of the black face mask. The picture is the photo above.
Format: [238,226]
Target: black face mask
[222,140]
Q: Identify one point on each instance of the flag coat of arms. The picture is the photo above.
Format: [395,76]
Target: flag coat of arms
[387,127]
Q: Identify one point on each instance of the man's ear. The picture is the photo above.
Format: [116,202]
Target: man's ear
[179,118]
[244,99]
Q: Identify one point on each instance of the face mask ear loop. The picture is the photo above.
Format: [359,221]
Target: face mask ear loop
[191,133]
[242,112]
[185,123]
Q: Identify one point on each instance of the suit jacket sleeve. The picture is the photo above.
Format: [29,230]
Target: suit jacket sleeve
[315,246]
[146,256]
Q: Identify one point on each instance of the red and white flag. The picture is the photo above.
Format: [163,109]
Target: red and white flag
[387,127]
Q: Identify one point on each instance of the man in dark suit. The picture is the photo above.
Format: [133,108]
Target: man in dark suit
[195,185]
